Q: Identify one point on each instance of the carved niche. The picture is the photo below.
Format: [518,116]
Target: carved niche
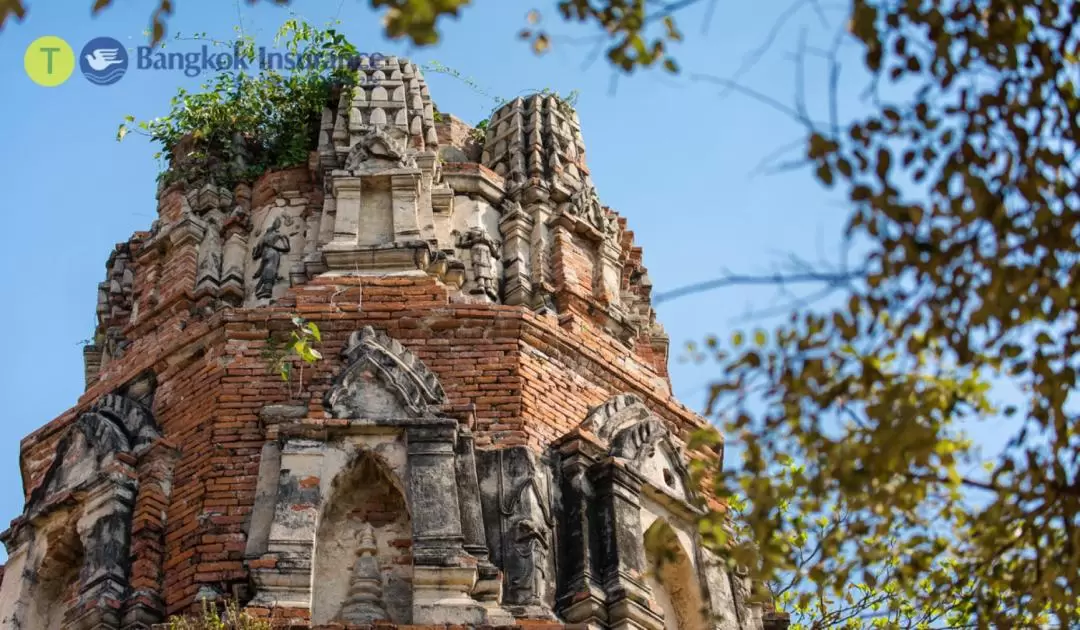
[621,473]
[381,508]
[72,542]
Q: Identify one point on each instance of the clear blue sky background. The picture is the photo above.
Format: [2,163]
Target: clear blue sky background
[673,155]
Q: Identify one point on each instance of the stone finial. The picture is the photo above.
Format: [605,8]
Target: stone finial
[364,603]
[537,139]
[390,92]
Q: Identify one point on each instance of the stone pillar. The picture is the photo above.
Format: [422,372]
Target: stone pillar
[211,255]
[618,505]
[444,576]
[232,266]
[283,574]
[609,272]
[328,215]
[472,516]
[105,531]
[581,598]
[516,228]
[405,194]
[347,210]
[541,247]
[91,364]
[488,590]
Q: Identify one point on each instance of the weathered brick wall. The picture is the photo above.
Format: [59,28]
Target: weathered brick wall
[526,379]
[522,378]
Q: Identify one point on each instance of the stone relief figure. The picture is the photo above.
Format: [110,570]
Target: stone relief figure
[529,526]
[531,544]
[515,493]
[268,252]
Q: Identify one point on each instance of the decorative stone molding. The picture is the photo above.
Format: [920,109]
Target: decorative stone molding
[387,402]
[83,505]
[380,147]
[416,391]
[622,473]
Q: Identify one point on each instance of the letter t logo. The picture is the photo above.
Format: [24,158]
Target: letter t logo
[49,63]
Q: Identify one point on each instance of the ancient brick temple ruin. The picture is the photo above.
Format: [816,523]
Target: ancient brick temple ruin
[488,441]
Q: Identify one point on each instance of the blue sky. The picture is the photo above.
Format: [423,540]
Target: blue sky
[673,155]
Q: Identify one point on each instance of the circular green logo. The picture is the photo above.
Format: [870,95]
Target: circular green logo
[49,61]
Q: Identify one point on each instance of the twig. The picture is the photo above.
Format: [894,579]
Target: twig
[830,278]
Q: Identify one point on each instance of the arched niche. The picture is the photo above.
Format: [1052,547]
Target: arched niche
[72,543]
[366,500]
[673,579]
[55,587]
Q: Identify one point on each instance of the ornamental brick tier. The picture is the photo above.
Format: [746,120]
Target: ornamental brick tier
[489,439]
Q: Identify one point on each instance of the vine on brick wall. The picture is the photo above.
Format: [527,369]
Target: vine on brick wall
[243,124]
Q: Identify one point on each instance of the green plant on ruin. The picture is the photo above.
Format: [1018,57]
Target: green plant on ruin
[231,618]
[299,346]
[242,124]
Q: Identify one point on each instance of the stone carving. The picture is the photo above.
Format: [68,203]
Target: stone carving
[585,205]
[84,504]
[615,414]
[211,255]
[211,203]
[638,441]
[387,146]
[516,494]
[482,275]
[634,434]
[268,252]
[115,309]
[536,138]
[364,604]
[409,387]
[390,93]
[533,548]
[116,423]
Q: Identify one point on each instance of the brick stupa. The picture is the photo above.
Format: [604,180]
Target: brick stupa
[488,441]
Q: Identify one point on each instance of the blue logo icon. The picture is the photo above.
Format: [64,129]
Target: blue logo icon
[103,61]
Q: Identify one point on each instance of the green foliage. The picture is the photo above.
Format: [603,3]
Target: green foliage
[211,619]
[300,344]
[241,125]
[416,19]
[963,191]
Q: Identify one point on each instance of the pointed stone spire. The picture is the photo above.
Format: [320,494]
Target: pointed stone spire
[364,604]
